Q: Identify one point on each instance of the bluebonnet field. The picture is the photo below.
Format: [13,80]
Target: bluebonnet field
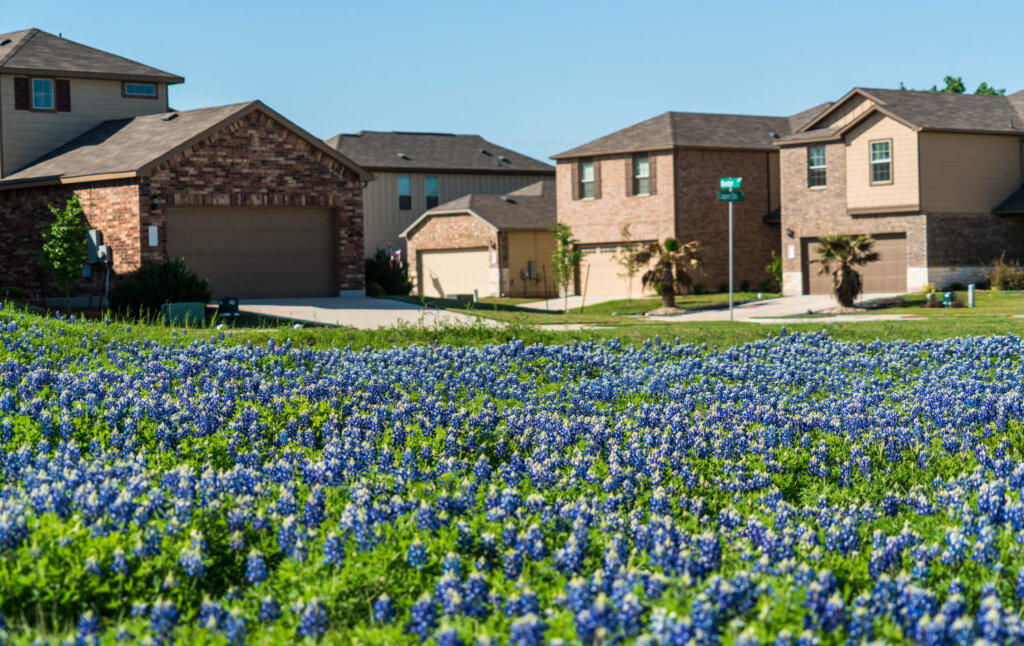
[792,491]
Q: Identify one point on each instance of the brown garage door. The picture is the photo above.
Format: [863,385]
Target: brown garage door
[887,274]
[257,252]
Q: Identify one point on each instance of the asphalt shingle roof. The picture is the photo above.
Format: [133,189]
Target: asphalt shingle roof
[33,51]
[396,151]
[130,145]
[531,208]
[1013,204]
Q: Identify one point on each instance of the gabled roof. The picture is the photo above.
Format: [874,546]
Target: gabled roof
[430,151]
[133,147]
[691,130]
[33,51]
[933,111]
[531,208]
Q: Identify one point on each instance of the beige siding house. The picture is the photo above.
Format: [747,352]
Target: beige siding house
[935,178]
[415,172]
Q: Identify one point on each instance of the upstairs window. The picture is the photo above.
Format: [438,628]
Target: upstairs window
[586,179]
[430,188]
[815,166]
[140,90]
[42,94]
[641,175]
[881,161]
[404,192]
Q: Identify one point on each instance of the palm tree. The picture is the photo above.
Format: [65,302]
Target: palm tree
[672,263]
[838,255]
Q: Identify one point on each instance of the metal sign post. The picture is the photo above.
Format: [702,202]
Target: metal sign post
[727,192]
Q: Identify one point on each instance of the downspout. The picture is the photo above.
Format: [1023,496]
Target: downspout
[2,154]
[497,235]
[768,177]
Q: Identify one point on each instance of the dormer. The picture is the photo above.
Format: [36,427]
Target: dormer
[53,89]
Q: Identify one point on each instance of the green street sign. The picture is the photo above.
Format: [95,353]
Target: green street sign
[731,196]
[727,183]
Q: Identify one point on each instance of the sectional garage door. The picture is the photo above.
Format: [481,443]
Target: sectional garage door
[887,274]
[257,252]
[444,273]
[604,280]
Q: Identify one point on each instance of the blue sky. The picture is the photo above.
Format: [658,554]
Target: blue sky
[539,77]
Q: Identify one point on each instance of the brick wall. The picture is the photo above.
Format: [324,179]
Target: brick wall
[822,211]
[973,238]
[257,162]
[447,232]
[111,207]
[700,216]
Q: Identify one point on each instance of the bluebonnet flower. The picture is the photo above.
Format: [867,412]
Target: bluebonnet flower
[383,609]
[312,618]
[417,554]
[255,567]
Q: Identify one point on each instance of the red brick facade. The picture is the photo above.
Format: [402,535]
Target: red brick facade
[252,162]
[444,232]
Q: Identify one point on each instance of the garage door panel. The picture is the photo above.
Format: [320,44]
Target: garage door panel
[257,252]
[887,274]
[456,271]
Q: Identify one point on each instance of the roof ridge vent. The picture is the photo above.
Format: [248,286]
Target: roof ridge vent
[171,116]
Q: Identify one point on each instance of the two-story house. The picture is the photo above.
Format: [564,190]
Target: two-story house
[417,171]
[251,201]
[935,179]
[660,177]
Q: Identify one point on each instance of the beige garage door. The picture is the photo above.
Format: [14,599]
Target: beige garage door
[887,274]
[604,280]
[444,273]
[257,252]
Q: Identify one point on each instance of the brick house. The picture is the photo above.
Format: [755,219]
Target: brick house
[491,245]
[417,171]
[660,177]
[248,199]
[935,178]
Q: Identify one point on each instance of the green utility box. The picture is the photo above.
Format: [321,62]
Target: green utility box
[188,313]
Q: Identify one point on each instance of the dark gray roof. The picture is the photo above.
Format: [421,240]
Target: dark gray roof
[531,208]
[689,129]
[33,51]
[1011,205]
[935,111]
[426,151]
[132,145]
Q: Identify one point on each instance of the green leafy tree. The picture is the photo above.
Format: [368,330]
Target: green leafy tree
[673,262]
[628,260]
[565,260]
[64,250]
[838,256]
[775,269]
[987,89]
[955,85]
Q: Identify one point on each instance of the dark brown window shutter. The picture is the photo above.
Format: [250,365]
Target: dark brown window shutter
[21,94]
[62,92]
[628,163]
[653,181]
[597,179]
[576,179]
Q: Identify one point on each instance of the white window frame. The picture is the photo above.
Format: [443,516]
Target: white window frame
[585,183]
[823,167]
[408,179]
[887,161]
[53,94]
[127,92]
[642,178]
[428,194]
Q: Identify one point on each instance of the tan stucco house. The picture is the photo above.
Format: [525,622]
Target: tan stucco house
[418,171]
[935,178]
[488,245]
[661,178]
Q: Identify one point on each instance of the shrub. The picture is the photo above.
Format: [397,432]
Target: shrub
[745,286]
[768,286]
[374,289]
[723,288]
[391,275]
[1005,275]
[930,288]
[144,290]
[12,292]
[957,287]
[775,269]
[699,288]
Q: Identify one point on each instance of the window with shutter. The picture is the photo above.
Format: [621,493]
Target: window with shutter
[62,90]
[22,98]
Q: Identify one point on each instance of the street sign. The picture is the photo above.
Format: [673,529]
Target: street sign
[731,196]
[730,183]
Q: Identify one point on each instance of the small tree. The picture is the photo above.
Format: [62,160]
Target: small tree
[628,260]
[565,259]
[775,269]
[673,262]
[64,250]
[838,255]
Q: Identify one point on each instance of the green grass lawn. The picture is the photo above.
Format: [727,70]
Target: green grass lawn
[987,303]
[608,313]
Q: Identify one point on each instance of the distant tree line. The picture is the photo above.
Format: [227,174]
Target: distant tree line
[955,85]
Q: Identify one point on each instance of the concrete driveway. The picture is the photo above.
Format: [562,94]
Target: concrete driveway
[357,312]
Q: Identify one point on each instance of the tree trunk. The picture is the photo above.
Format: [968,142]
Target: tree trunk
[668,287]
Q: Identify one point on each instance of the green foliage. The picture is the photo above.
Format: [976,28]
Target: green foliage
[374,289]
[566,259]
[1005,275]
[673,264]
[390,275]
[955,85]
[775,269]
[838,255]
[12,292]
[65,245]
[144,290]
[628,260]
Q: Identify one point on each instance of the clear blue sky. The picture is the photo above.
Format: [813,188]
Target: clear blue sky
[538,77]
